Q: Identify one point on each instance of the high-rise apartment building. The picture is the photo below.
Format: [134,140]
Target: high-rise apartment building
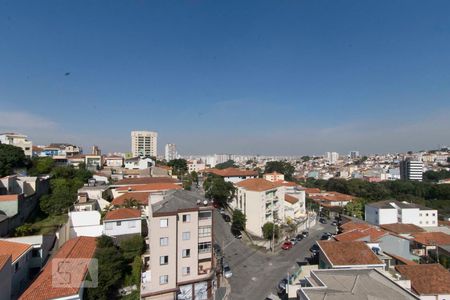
[144,143]
[170,152]
[354,154]
[18,140]
[332,157]
[411,169]
[180,258]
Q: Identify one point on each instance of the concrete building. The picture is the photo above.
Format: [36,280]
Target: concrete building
[139,163]
[170,152]
[353,284]
[18,140]
[392,211]
[332,157]
[274,176]
[144,143]
[180,258]
[196,165]
[122,222]
[411,169]
[233,175]
[354,154]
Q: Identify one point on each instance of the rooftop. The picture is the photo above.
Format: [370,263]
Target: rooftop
[369,234]
[179,200]
[4,260]
[123,214]
[355,284]
[140,197]
[349,253]
[13,197]
[427,279]
[290,199]
[432,238]
[43,287]
[146,180]
[163,186]
[13,248]
[232,172]
[257,184]
[390,204]
[400,228]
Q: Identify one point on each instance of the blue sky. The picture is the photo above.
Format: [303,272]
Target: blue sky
[267,77]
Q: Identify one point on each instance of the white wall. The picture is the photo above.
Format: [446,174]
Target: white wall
[428,218]
[410,216]
[85,223]
[130,226]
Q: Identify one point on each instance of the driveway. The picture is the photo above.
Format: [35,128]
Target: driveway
[255,273]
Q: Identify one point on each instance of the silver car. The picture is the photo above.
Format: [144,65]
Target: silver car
[227,271]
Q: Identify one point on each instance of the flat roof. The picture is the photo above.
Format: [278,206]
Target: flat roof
[178,200]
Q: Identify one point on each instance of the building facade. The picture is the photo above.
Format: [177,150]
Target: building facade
[170,152]
[18,140]
[411,169]
[144,143]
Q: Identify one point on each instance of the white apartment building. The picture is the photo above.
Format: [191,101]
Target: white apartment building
[411,169]
[196,165]
[332,157]
[392,211]
[179,262]
[144,143]
[18,140]
[170,152]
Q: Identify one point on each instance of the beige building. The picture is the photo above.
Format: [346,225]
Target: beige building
[18,140]
[179,260]
[274,176]
[144,143]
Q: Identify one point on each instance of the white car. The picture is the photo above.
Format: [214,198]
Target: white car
[227,271]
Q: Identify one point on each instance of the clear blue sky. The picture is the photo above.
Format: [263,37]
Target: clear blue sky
[268,77]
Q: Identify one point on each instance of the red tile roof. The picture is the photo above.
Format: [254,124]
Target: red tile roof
[232,172]
[14,249]
[312,190]
[427,279]
[285,183]
[372,234]
[163,186]
[146,180]
[432,238]
[331,197]
[257,184]
[290,199]
[122,214]
[400,228]
[43,287]
[140,197]
[349,253]
[4,260]
[355,225]
[402,259]
[14,197]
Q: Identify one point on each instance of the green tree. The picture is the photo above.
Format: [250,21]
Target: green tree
[282,167]
[41,165]
[355,208]
[11,157]
[239,220]
[217,189]
[270,231]
[179,166]
[130,203]
[194,177]
[132,247]
[228,164]
[306,158]
[24,230]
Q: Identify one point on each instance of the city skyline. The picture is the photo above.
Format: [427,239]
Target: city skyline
[263,77]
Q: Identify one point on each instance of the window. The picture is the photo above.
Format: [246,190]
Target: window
[434,215]
[35,253]
[420,222]
[108,226]
[186,218]
[131,224]
[119,223]
[186,271]
[204,247]
[420,214]
[164,279]
[164,241]
[204,231]
[163,223]
[186,252]
[426,214]
[203,215]
[186,236]
[164,260]
[16,266]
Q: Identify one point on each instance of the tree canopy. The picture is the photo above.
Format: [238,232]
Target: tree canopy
[179,166]
[41,165]
[228,164]
[282,167]
[270,231]
[217,189]
[239,221]
[11,157]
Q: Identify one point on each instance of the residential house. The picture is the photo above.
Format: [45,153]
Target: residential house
[76,255]
[233,175]
[93,161]
[139,163]
[196,166]
[122,222]
[18,140]
[274,176]
[392,211]
[423,242]
[429,281]
[85,218]
[150,187]
[339,284]
[114,161]
[342,255]
[180,258]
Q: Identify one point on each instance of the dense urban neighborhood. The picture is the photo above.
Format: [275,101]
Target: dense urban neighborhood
[78,224]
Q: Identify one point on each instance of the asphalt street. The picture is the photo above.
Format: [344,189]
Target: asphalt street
[255,273]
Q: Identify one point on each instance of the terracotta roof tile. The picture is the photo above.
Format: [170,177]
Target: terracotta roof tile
[232,172]
[13,248]
[355,225]
[257,184]
[290,199]
[285,183]
[427,279]
[349,253]
[140,197]
[122,214]
[4,260]
[163,186]
[43,286]
[400,228]
[146,180]
[402,259]
[432,238]
[312,190]
[373,234]
[14,197]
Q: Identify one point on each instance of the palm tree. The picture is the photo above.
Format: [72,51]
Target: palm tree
[130,203]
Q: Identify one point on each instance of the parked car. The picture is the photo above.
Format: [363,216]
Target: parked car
[236,233]
[305,233]
[217,249]
[226,218]
[227,271]
[293,241]
[281,287]
[222,210]
[328,233]
[325,237]
[314,249]
[287,245]
[334,223]
[323,220]
[299,237]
